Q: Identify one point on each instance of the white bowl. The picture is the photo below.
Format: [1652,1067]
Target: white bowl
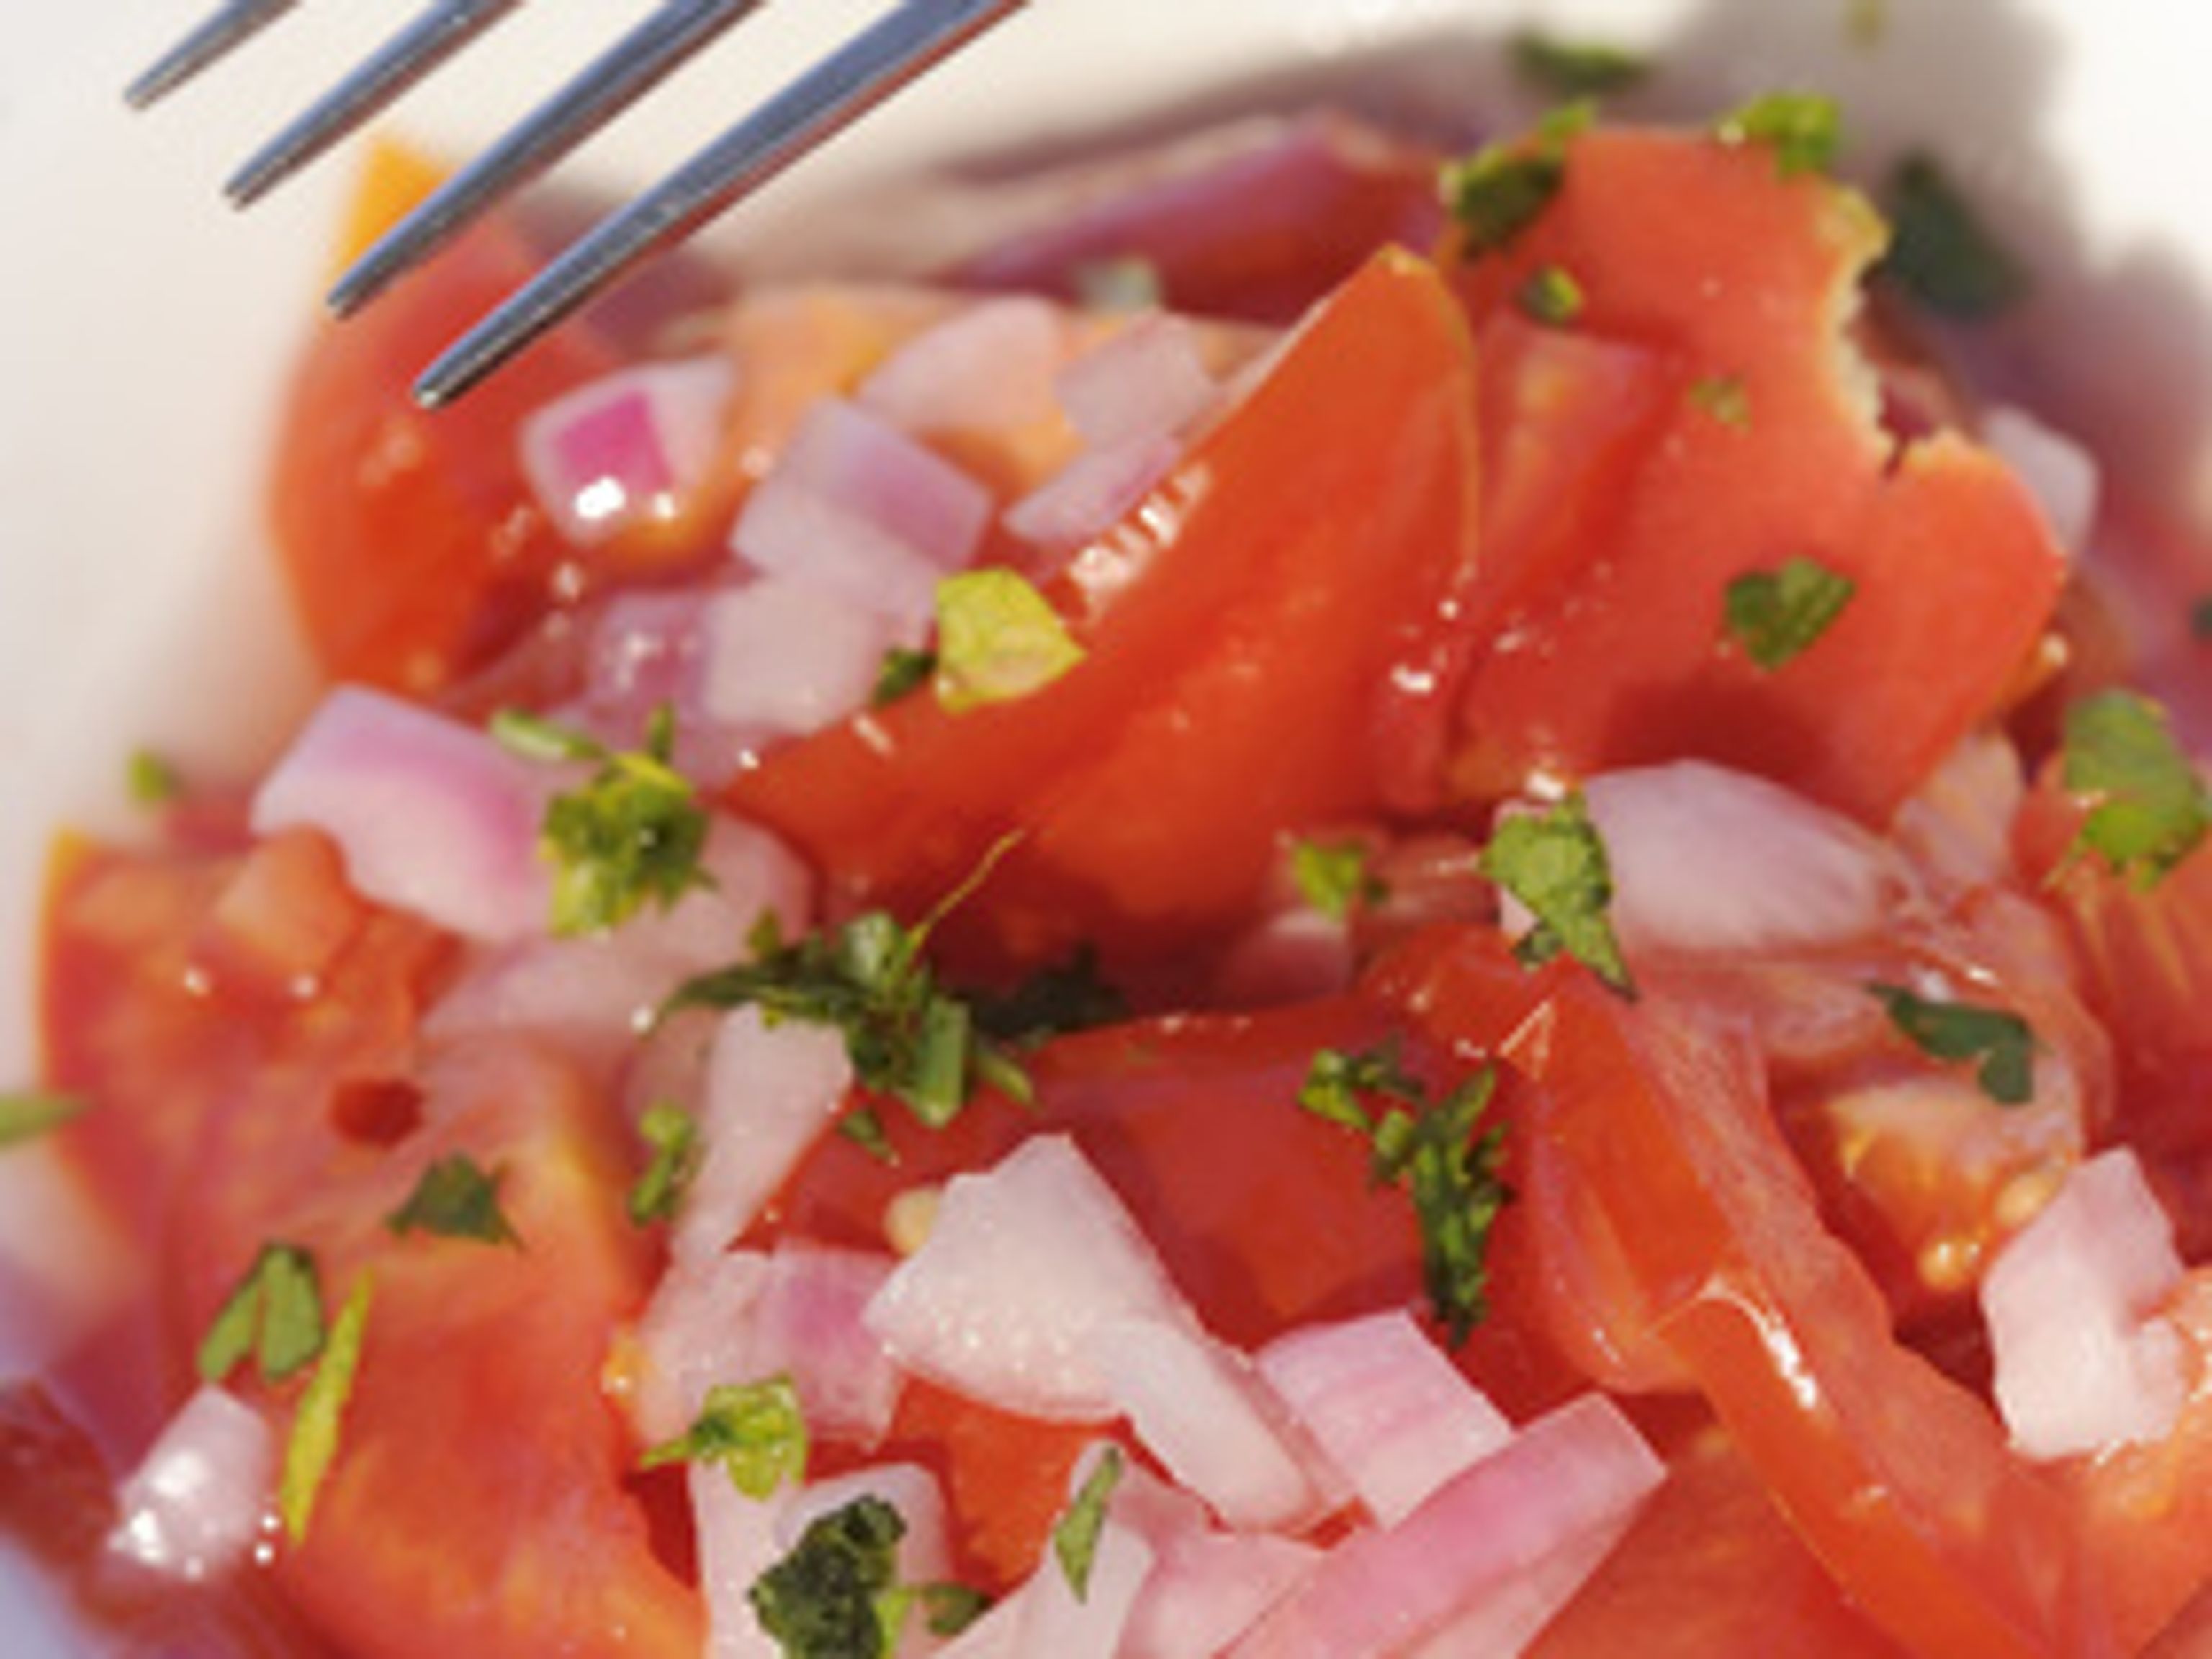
[144,328]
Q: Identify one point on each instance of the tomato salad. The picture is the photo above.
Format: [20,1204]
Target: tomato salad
[1333,920]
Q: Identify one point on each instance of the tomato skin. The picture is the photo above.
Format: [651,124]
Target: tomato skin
[1898,1479]
[1694,253]
[1145,791]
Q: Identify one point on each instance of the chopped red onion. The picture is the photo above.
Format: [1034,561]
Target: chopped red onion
[1024,1263]
[782,657]
[432,817]
[988,367]
[2083,1362]
[626,449]
[1208,1588]
[1148,379]
[1092,493]
[695,1334]
[1386,1406]
[2058,471]
[201,1499]
[736,1543]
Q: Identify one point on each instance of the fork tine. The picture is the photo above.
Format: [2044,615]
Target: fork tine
[838,90]
[656,47]
[441,29]
[216,39]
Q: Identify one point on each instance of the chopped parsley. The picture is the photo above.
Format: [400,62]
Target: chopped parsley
[1451,1172]
[1996,1037]
[1564,68]
[673,1135]
[949,1608]
[1551,297]
[1335,877]
[33,1112]
[456,1199]
[632,833]
[1774,616]
[1061,997]
[1803,129]
[754,1430]
[1554,862]
[905,671]
[1075,1536]
[152,779]
[2150,808]
[1502,189]
[314,1442]
[1723,396]
[836,1594]
[997,639]
[274,1314]
[2200,619]
[1940,254]
[864,1126]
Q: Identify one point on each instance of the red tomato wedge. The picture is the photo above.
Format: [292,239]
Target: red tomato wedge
[1898,1479]
[1715,279]
[1240,627]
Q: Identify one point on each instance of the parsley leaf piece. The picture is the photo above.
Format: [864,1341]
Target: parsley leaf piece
[152,780]
[33,1112]
[2200,619]
[632,833]
[2000,1039]
[1551,297]
[1940,254]
[1337,1085]
[1075,1536]
[1775,615]
[755,1430]
[1072,995]
[313,1443]
[274,1314]
[997,639]
[456,1199]
[2151,807]
[949,1608]
[1499,191]
[905,671]
[673,1135]
[1335,877]
[1803,129]
[1723,396]
[835,1596]
[1554,863]
[864,1126]
[1565,69]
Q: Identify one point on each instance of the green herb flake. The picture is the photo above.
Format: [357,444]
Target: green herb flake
[754,1432]
[997,639]
[1564,68]
[905,671]
[1804,130]
[1724,397]
[1070,995]
[673,1136]
[1551,297]
[274,1314]
[152,780]
[2149,808]
[30,1113]
[313,1446]
[2200,620]
[836,1594]
[949,1608]
[1499,191]
[1075,1536]
[456,1199]
[1335,877]
[633,834]
[1554,862]
[1996,1037]
[864,1127]
[1451,1172]
[1774,616]
[1940,254]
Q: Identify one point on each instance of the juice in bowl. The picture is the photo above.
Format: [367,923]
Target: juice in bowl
[1679,1005]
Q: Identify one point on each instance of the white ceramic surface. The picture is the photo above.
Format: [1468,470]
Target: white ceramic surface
[143,326]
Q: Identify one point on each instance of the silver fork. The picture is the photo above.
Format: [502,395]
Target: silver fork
[893,51]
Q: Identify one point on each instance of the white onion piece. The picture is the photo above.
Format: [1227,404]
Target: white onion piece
[781,657]
[1957,826]
[1706,860]
[694,1333]
[736,1543]
[1147,381]
[200,1500]
[1386,1406]
[771,1089]
[1201,1410]
[1578,1470]
[431,817]
[2058,471]
[1024,1263]
[1092,493]
[626,448]
[988,367]
[2081,1362]
[996,1635]
[1209,1588]
[925,1550]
